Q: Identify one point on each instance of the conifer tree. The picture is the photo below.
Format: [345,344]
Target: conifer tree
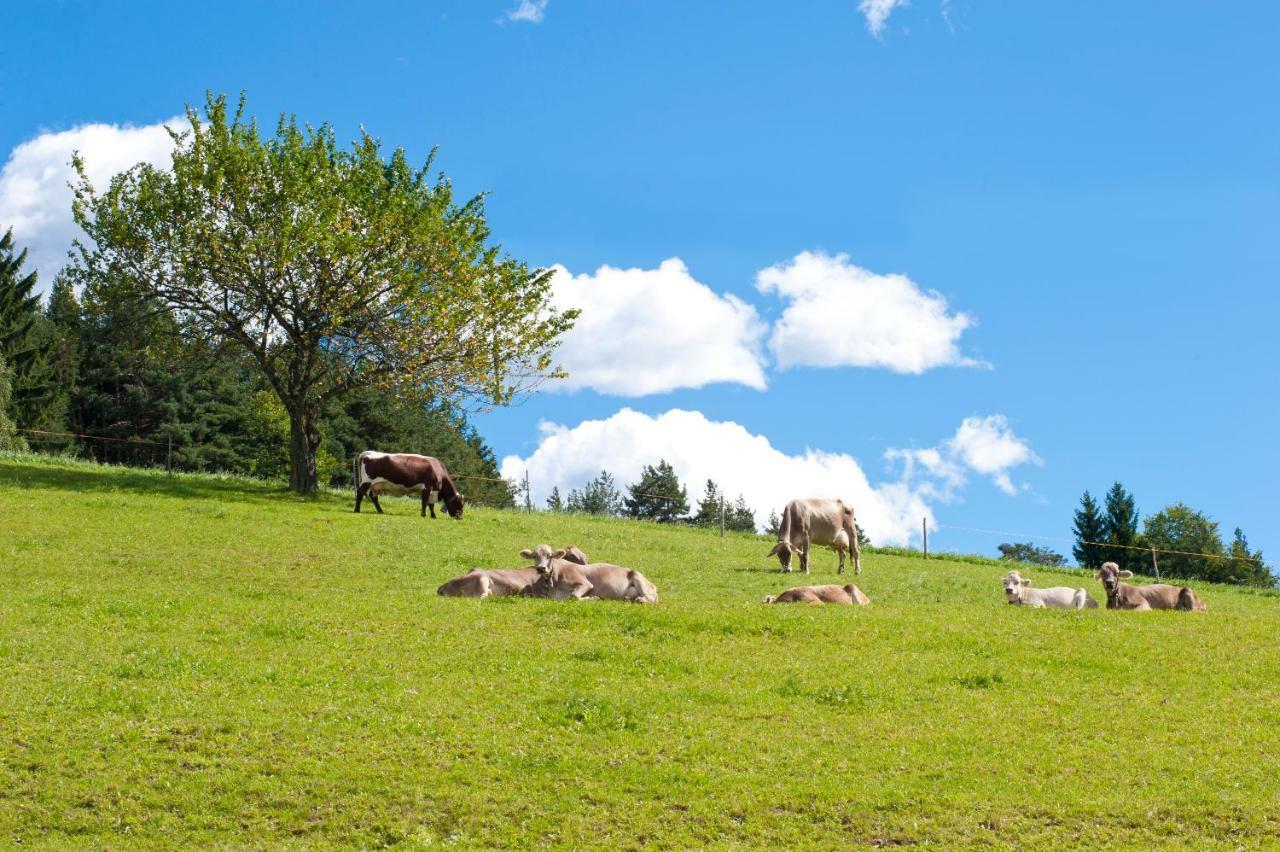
[554,503]
[1090,526]
[1121,526]
[25,340]
[708,514]
[658,496]
[9,438]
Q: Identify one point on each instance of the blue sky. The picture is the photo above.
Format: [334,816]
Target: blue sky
[1095,186]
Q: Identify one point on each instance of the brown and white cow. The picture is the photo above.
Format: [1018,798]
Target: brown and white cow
[405,473]
[828,523]
[1154,596]
[847,594]
[489,583]
[558,578]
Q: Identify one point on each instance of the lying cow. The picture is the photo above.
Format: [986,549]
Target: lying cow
[849,594]
[489,583]
[405,473]
[1154,596]
[828,523]
[1018,591]
[558,578]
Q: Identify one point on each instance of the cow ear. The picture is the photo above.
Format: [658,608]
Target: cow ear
[1126,574]
[559,554]
[792,548]
[527,554]
[774,550]
[1026,582]
[1098,576]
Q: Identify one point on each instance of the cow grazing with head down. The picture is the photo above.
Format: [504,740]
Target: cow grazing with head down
[1154,596]
[828,523]
[1018,591]
[558,578]
[847,594]
[405,473]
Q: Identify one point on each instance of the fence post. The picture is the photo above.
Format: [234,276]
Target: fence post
[528,495]
[168,461]
[924,535]
[722,516]
[1155,564]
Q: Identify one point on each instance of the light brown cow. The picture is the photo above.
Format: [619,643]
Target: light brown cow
[1154,596]
[848,594]
[1018,591]
[489,583]
[606,581]
[815,521]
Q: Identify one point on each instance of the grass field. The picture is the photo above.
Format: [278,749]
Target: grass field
[201,661]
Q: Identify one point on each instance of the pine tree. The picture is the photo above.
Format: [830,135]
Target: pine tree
[658,496]
[1247,566]
[598,497]
[863,540]
[25,338]
[775,525]
[554,503]
[1121,527]
[708,514]
[1089,526]
[9,438]
[739,517]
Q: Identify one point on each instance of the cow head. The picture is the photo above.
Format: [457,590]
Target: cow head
[1111,575]
[1013,584]
[454,506]
[542,556]
[784,549]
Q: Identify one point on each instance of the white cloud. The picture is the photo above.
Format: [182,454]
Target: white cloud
[529,11]
[843,315]
[984,445]
[877,13]
[645,331]
[35,198]
[700,449]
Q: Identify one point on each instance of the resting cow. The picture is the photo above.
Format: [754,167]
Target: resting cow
[489,583]
[828,523]
[1018,591]
[848,594]
[405,473]
[1154,596]
[559,578]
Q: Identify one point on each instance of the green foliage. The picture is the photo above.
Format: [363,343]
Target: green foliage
[1181,528]
[774,526]
[658,496]
[25,341]
[331,269]
[708,514]
[1030,554]
[554,503]
[1089,526]
[738,516]
[1121,527]
[9,438]
[229,666]
[1246,567]
[600,496]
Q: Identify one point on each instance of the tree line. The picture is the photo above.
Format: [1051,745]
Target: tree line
[271,304]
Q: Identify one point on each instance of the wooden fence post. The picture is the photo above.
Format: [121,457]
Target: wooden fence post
[722,516]
[1155,564]
[168,462]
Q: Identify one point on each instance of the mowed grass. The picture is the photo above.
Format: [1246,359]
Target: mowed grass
[200,661]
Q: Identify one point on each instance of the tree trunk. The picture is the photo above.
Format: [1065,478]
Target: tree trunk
[304,441]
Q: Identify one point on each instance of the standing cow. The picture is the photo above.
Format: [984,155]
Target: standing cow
[405,473]
[828,523]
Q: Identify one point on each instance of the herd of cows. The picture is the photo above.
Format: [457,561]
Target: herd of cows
[567,573]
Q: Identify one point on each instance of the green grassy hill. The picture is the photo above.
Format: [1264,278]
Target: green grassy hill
[203,661]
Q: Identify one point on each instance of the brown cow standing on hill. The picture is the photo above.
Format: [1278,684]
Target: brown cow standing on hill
[405,473]
[817,521]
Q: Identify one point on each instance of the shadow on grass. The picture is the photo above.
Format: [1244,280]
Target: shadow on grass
[102,479]
[759,571]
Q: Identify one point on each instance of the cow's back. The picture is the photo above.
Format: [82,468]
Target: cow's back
[400,471]
[818,521]
[615,582]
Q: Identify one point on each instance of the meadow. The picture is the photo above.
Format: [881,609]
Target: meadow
[206,661]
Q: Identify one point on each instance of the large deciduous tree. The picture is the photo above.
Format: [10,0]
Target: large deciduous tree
[333,268]
[1184,531]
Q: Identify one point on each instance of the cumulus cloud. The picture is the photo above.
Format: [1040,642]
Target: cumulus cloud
[35,198]
[877,13]
[983,445]
[840,314]
[645,331]
[700,449]
[528,11]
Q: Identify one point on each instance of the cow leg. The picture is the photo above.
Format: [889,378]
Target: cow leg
[360,492]
[432,507]
[840,551]
[804,558]
[373,495]
[424,505]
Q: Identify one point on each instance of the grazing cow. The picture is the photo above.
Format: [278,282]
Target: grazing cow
[1018,591]
[823,522]
[489,583]
[849,594]
[405,473]
[1154,596]
[606,581]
